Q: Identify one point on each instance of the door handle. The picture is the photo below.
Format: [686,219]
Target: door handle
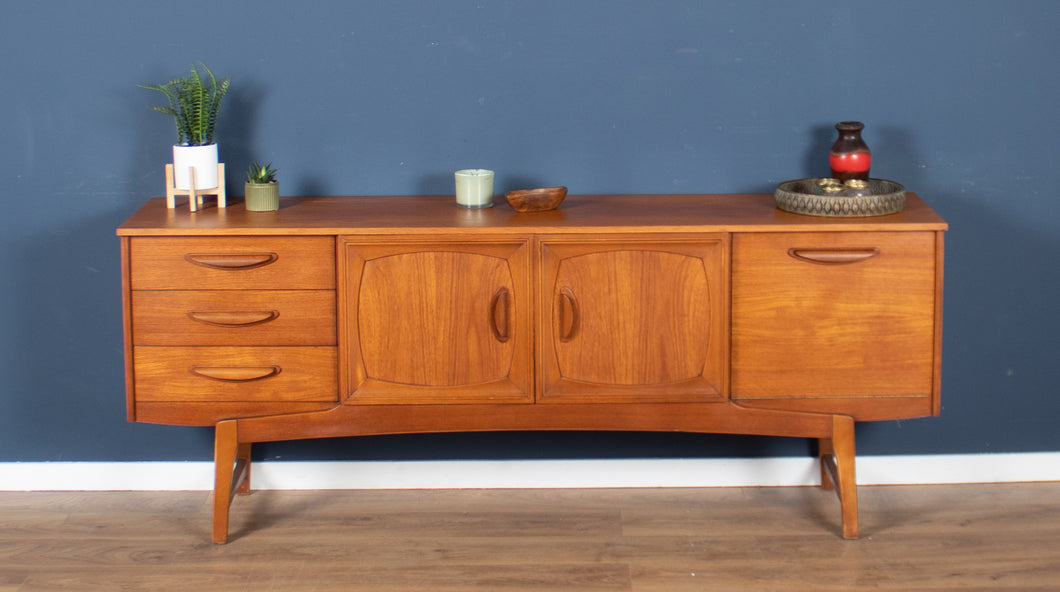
[235,373]
[833,256]
[500,315]
[231,261]
[233,318]
[569,315]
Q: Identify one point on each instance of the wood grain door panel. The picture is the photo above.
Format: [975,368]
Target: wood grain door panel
[633,319]
[437,322]
[833,314]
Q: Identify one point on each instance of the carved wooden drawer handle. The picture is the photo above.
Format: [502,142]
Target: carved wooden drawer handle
[235,373]
[569,315]
[834,256]
[234,318]
[231,261]
[499,315]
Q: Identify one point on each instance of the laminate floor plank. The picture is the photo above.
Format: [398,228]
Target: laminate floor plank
[938,538]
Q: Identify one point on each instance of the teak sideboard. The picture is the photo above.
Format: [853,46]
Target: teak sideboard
[343,316]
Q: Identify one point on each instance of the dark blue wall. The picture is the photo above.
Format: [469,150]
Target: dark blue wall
[379,98]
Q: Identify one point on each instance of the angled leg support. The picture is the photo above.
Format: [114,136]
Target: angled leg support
[231,474]
[838,470]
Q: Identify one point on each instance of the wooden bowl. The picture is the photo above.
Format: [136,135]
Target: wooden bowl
[536,200]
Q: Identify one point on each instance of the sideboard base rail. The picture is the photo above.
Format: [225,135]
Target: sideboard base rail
[234,437]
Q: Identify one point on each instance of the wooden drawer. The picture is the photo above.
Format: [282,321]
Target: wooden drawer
[229,317]
[833,314]
[232,263]
[235,374]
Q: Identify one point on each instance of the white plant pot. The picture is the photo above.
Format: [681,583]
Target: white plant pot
[202,158]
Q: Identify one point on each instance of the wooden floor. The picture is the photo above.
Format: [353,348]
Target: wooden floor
[953,537]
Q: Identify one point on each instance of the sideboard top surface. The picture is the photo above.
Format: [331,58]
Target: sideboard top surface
[578,213]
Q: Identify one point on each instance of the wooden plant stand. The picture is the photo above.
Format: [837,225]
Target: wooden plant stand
[195,195]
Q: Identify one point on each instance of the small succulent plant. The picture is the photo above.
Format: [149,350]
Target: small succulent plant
[261,173]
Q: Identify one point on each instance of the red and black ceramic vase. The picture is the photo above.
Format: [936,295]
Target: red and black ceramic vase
[850,157]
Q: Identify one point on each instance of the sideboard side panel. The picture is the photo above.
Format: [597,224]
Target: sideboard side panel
[127,332]
[940,250]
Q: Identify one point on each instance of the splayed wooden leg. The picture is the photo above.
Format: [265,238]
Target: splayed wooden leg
[225,454]
[838,471]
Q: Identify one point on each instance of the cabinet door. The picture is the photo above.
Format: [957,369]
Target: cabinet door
[633,319]
[834,315]
[439,321]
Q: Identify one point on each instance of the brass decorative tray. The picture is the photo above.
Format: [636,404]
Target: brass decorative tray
[829,197]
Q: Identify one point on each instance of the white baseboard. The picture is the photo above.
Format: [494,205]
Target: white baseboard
[871,470]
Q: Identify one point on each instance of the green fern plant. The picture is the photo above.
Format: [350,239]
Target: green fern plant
[194,102]
[261,174]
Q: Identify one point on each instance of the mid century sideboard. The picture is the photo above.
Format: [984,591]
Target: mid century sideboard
[344,316]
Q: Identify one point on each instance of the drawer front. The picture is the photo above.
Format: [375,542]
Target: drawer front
[232,263]
[228,317]
[833,314]
[220,374]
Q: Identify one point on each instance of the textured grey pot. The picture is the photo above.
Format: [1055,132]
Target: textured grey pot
[262,197]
